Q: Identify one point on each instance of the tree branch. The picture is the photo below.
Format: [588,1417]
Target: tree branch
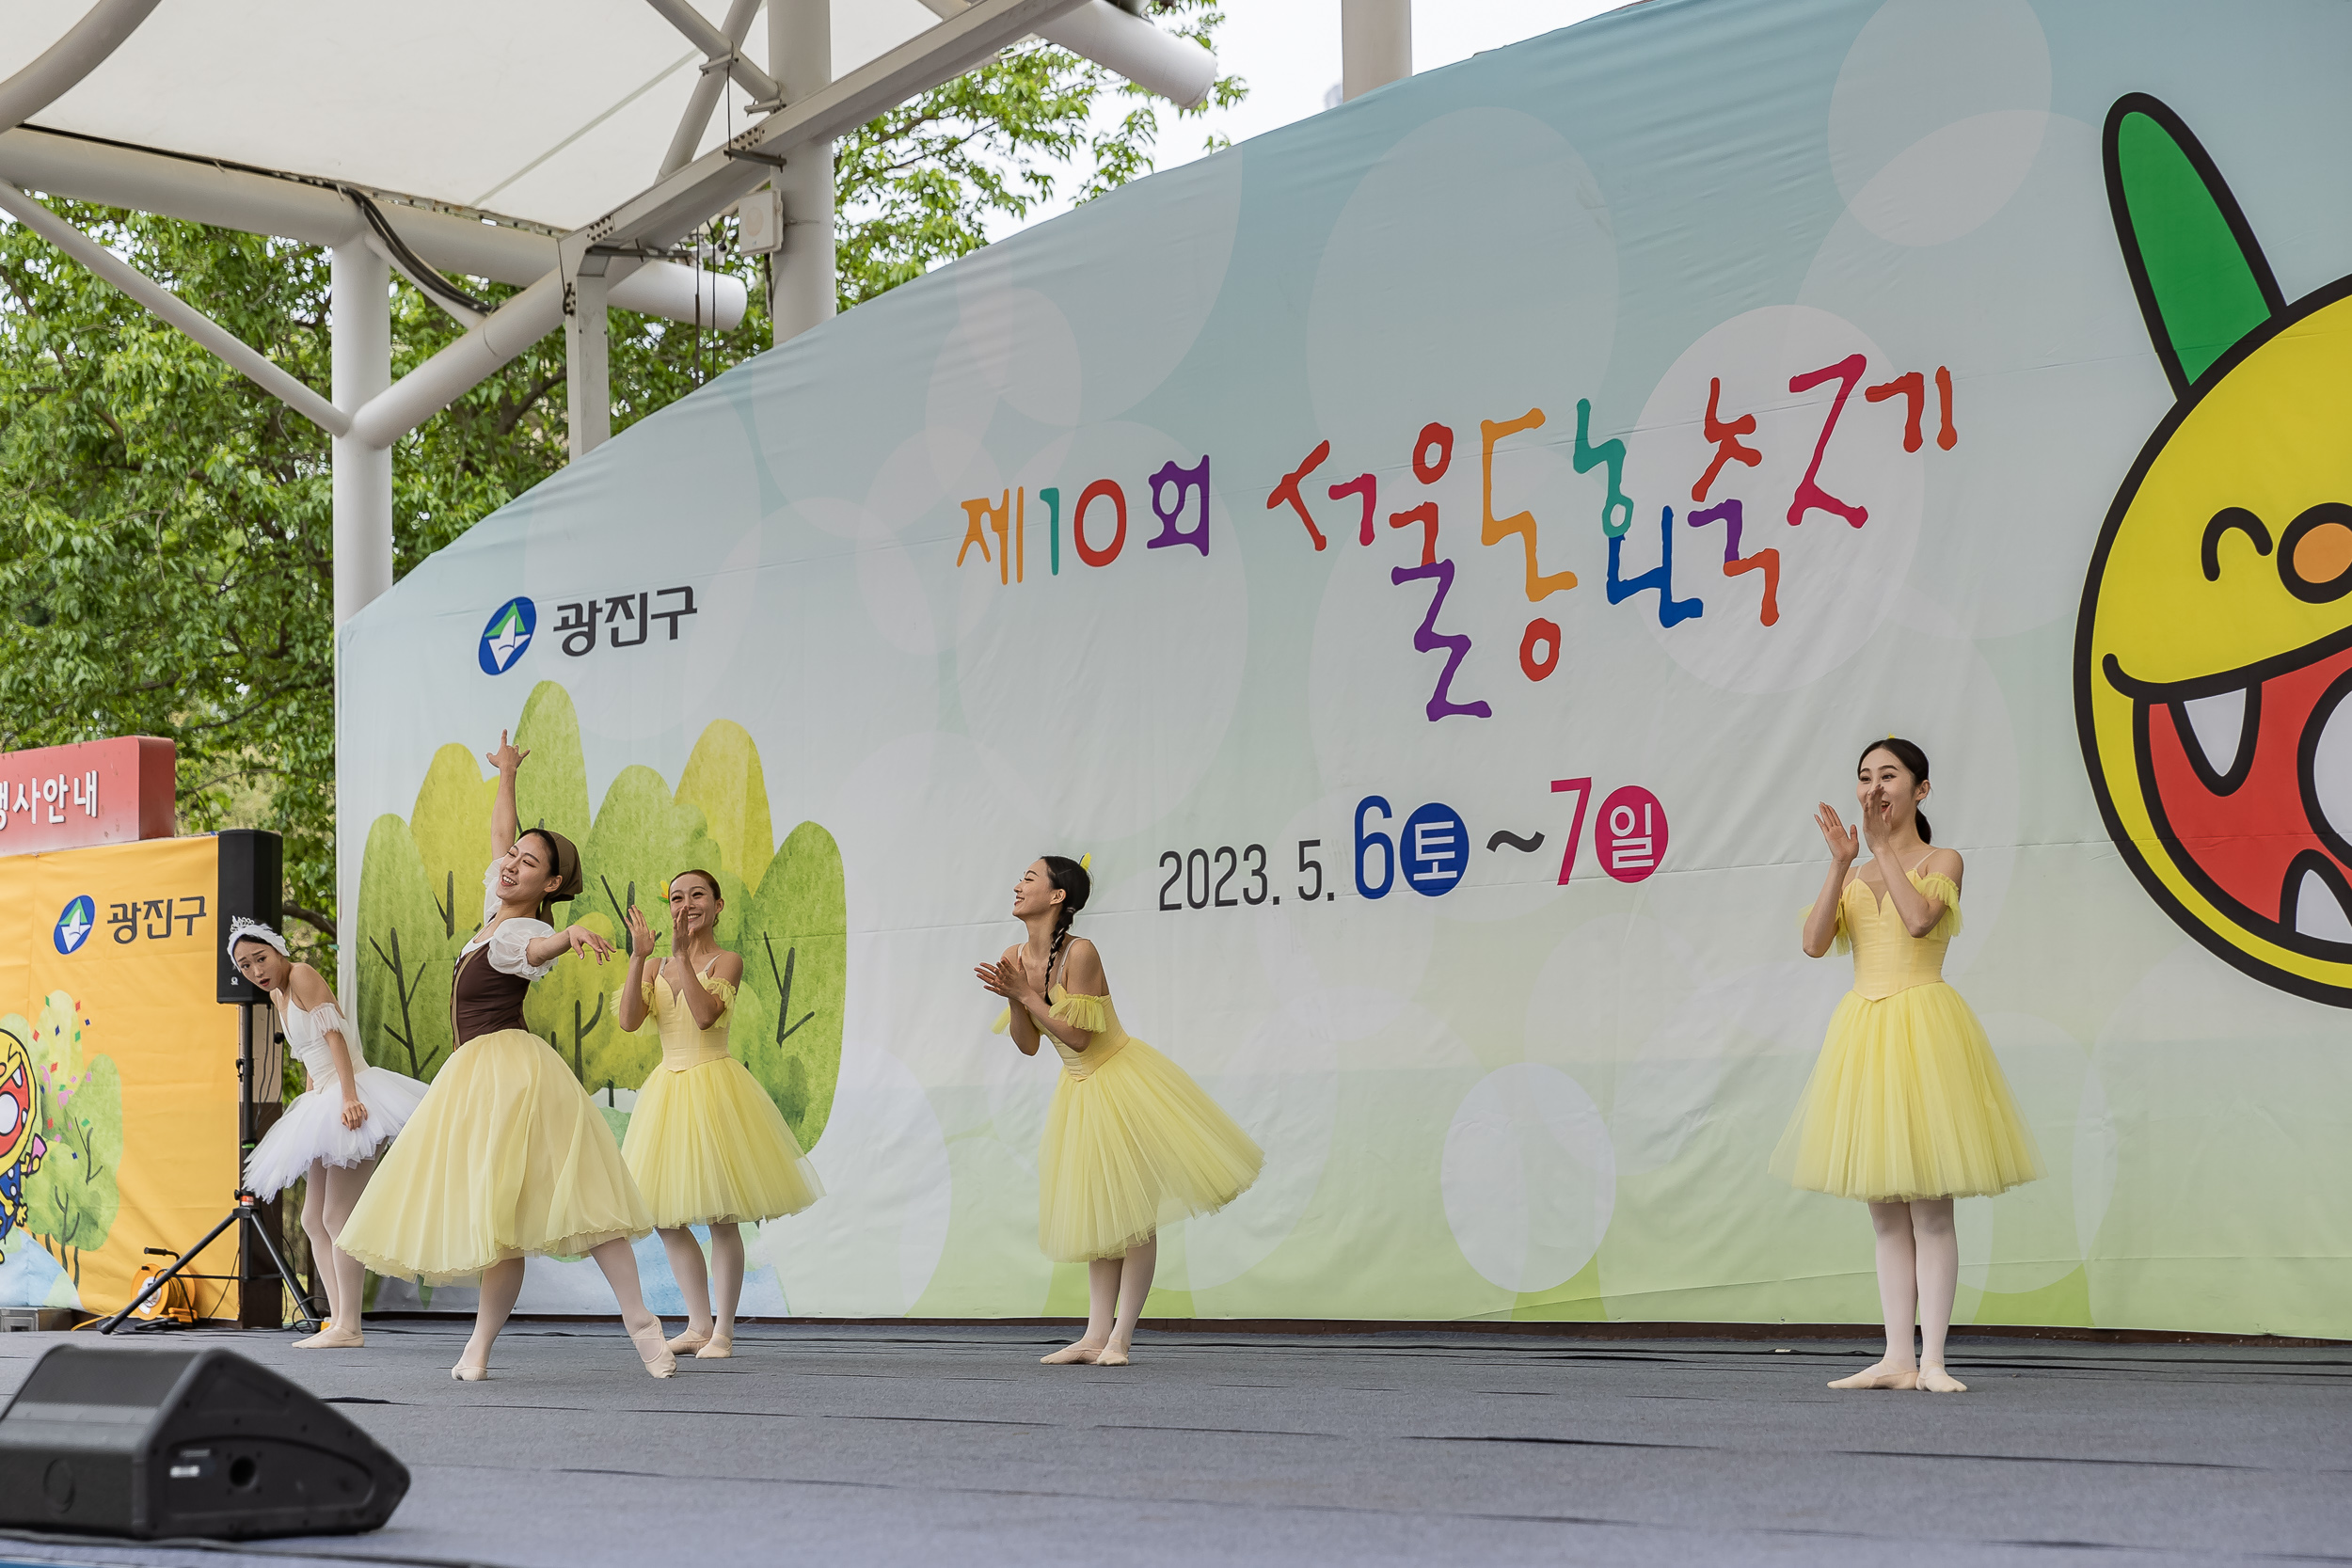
[323,923]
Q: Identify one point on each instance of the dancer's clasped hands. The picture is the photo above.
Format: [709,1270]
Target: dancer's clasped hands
[1006,980]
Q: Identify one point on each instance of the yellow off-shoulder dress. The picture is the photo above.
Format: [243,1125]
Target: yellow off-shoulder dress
[706,1144]
[1907,1100]
[1131,1141]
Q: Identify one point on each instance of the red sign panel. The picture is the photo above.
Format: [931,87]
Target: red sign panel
[97,792]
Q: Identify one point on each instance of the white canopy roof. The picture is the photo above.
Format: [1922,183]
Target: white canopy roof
[552,111]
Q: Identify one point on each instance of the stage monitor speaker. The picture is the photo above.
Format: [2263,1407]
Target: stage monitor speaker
[162,1443]
[252,884]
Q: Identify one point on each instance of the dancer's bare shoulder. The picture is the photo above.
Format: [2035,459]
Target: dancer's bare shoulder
[1082,971]
[308,987]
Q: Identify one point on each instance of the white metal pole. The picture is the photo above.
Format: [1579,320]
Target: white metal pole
[360,318]
[63,64]
[1375,44]
[704,98]
[1177,69]
[588,364]
[800,56]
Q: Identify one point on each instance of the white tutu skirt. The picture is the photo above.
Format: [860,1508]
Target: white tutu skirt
[311,1131]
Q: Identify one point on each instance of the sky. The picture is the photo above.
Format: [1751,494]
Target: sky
[1288,51]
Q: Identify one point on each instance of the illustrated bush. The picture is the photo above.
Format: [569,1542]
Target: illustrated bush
[72,1200]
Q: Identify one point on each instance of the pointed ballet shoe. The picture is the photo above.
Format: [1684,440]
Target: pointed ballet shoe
[719,1346]
[464,1373]
[661,1363]
[1110,1356]
[1935,1380]
[690,1343]
[1880,1377]
[333,1336]
[1071,1355]
[310,1341]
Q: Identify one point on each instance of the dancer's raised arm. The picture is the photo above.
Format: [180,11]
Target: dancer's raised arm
[1919,911]
[506,759]
[630,1010]
[1821,927]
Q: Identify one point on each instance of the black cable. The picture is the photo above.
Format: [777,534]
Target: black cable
[422,275]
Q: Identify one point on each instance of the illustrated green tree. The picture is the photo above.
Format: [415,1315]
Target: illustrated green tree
[795,941]
[551,790]
[72,1200]
[642,836]
[404,955]
[451,824]
[572,1009]
[724,780]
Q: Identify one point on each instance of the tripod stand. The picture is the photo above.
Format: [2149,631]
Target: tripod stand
[244,1209]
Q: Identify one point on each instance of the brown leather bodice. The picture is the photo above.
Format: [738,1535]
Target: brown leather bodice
[483,1000]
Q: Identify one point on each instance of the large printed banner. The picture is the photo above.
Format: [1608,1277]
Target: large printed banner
[1433,559]
[118,1074]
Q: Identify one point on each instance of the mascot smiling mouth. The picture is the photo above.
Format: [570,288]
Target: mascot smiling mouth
[2212,657]
[2269,744]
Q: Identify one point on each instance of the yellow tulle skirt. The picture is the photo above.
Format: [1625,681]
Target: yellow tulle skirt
[506,1157]
[1907,1101]
[708,1147]
[1130,1147]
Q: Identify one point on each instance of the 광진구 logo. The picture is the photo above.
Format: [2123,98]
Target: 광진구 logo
[74,924]
[507,635]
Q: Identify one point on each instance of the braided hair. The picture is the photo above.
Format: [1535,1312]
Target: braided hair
[1915,761]
[1072,879]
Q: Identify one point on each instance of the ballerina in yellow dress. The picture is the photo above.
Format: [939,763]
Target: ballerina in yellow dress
[1907,1108]
[706,1144]
[507,1157]
[1131,1141]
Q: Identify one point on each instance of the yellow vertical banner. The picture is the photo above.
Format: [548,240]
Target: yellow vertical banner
[117,1073]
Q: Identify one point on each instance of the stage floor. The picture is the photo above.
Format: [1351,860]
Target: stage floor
[919,1445]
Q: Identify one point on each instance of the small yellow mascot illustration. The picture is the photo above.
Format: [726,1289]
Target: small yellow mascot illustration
[21,1144]
[2214,652]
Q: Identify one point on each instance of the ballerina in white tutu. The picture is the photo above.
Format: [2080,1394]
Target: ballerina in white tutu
[332,1134]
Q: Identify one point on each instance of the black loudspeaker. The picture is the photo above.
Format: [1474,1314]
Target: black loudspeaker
[252,884]
[159,1443]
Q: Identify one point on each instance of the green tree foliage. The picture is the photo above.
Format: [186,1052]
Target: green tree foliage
[165,539]
[918,185]
[72,1199]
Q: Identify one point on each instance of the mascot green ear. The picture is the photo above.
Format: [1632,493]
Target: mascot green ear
[2201,280]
